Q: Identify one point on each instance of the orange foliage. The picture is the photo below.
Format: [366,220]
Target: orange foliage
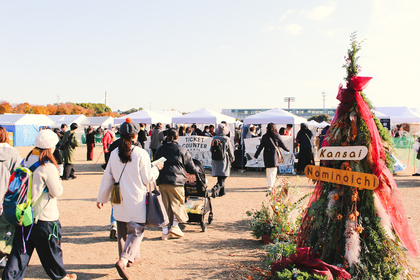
[52,109]
[22,108]
[5,107]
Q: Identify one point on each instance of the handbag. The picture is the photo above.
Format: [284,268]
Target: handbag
[156,215]
[280,155]
[116,192]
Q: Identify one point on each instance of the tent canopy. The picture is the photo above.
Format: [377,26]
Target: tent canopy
[276,116]
[313,123]
[400,114]
[23,119]
[203,116]
[24,127]
[144,116]
[68,119]
[100,121]
[380,115]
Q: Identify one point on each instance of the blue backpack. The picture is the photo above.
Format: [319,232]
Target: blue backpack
[17,205]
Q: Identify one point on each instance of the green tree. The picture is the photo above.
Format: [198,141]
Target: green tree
[320,118]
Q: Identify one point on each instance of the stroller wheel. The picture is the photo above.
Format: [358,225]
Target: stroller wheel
[210,220]
[203,226]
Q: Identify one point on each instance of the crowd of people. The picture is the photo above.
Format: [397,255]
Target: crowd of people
[130,165]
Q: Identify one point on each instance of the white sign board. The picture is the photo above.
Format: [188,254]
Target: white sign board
[251,146]
[198,147]
[342,153]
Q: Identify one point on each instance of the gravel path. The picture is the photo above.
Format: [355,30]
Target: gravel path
[225,251]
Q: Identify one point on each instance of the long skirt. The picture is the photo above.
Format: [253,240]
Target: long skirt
[90,147]
[305,157]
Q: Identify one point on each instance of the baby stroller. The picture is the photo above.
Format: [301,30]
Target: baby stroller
[197,200]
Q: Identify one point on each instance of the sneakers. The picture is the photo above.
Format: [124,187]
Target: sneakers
[215,191]
[113,233]
[165,237]
[70,276]
[176,231]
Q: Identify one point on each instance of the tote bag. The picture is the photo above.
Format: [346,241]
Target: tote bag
[156,215]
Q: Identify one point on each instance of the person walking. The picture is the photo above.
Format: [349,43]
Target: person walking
[130,166]
[90,143]
[220,168]
[142,137]
[171,182]
[155,140]
[270,142]
[9,160]
[304,139]
[45,234]
[107,140]
[57,153]
[68,152]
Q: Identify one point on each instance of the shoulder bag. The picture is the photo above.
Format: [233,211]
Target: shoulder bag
[280,155]
[116,192]
[156,215]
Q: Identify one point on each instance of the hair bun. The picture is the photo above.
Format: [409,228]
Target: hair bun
[128,120]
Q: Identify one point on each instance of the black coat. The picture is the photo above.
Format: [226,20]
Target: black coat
[178,160]
[271,159]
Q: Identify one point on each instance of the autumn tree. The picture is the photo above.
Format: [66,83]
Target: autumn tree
[5,107]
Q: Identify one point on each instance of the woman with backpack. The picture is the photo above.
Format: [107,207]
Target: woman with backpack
[222,156]
[44,234]
[270,142]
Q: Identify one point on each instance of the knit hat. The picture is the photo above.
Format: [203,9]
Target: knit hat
[129,127]
[46,139]
[222,130]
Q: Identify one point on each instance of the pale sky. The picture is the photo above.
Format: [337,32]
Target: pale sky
[187,55]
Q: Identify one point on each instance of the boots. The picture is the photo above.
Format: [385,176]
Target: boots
[215,191]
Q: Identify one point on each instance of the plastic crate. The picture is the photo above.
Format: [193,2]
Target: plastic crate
[286,169]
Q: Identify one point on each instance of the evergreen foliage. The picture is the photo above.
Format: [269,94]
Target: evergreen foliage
[341,210]
[98,107]
[320,118]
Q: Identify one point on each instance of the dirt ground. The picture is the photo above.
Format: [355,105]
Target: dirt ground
[225,251]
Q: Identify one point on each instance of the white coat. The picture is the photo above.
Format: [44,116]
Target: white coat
[137,174]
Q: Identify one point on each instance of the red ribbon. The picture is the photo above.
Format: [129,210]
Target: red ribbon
[387,190]
[308,258]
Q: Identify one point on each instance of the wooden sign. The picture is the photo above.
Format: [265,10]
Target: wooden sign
[342,153]
[342,177]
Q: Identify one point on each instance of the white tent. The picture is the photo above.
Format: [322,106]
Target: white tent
[100,121]
[380,115]
[23,128]
[68,119]
[276,116]
[144,116]
[203,116]
[416,111]
[313,123]
[22,119]
[400,114]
